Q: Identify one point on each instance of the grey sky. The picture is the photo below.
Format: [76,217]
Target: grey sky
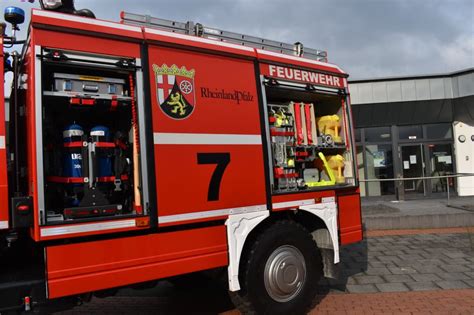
[367,38]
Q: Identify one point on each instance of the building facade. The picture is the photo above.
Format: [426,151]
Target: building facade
[418,126]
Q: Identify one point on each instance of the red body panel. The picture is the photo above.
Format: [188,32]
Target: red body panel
[85,43]
[100,27]
[3,154]
[349,218]
[185,190]
[91,266]
[278,201]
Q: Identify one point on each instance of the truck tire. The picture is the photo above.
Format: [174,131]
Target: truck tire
[279,272]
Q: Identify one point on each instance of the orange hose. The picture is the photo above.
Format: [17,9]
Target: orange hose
[136,150]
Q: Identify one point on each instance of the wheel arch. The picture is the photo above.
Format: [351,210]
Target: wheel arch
[320,221]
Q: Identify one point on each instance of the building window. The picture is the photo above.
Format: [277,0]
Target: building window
[439,131]
[378,134]
[410,132]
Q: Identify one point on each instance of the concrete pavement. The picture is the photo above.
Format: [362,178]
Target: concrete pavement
[383,213]
[402,263]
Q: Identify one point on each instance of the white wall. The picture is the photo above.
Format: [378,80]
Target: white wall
[464,155]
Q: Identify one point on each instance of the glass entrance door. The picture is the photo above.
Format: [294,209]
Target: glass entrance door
[413,166]
[441,164]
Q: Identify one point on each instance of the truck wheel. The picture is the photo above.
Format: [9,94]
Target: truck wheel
[280,271]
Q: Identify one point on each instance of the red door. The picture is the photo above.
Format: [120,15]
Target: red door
[208,147]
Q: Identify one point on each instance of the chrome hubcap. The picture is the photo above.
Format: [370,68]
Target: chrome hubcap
[285,273]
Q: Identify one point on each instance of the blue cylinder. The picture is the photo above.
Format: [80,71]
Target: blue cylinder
[104,160]
[72,160]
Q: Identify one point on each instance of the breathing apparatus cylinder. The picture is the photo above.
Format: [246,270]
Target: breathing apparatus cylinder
[101,134]
[72,161]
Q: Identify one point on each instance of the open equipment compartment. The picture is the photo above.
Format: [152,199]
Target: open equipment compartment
[90,137]
[310,138]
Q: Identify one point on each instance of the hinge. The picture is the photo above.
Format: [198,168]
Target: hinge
[126,63]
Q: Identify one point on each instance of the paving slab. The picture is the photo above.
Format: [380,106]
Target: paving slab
[457,255]
[426,277]
[377,271]
[402,270]
[470,274]
[392,287]
[368,279]
[454,276]
[422,286]
[455,268]
[398,278]
[361,288]
[452,284]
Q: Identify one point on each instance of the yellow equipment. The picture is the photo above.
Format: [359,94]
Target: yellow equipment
[336,163]
[329,171]
[280,118]
[330,125]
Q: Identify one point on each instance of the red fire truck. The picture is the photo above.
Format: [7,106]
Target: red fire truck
[144,149]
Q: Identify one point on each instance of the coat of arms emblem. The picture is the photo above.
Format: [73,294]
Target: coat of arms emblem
[175,90]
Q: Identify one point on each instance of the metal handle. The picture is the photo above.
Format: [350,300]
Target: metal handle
[90,88]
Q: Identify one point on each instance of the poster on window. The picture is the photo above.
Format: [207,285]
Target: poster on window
[379,159]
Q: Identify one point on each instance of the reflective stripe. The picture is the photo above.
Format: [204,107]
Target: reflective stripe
[205,138]
[2,142]
[325,64]
[84,228]
[75,18]
[295,203]
[209,214]
[197,39]
[3,225]
[328,199]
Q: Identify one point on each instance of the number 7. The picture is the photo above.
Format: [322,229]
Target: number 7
[222,160]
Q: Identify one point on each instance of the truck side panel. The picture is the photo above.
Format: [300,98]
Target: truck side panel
[208,156]
[349,218]
[91,266]
[3,155]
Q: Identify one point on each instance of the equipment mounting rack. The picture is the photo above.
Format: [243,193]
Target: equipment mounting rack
[197,29]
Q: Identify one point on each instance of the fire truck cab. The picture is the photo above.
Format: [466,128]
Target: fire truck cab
[145,149]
